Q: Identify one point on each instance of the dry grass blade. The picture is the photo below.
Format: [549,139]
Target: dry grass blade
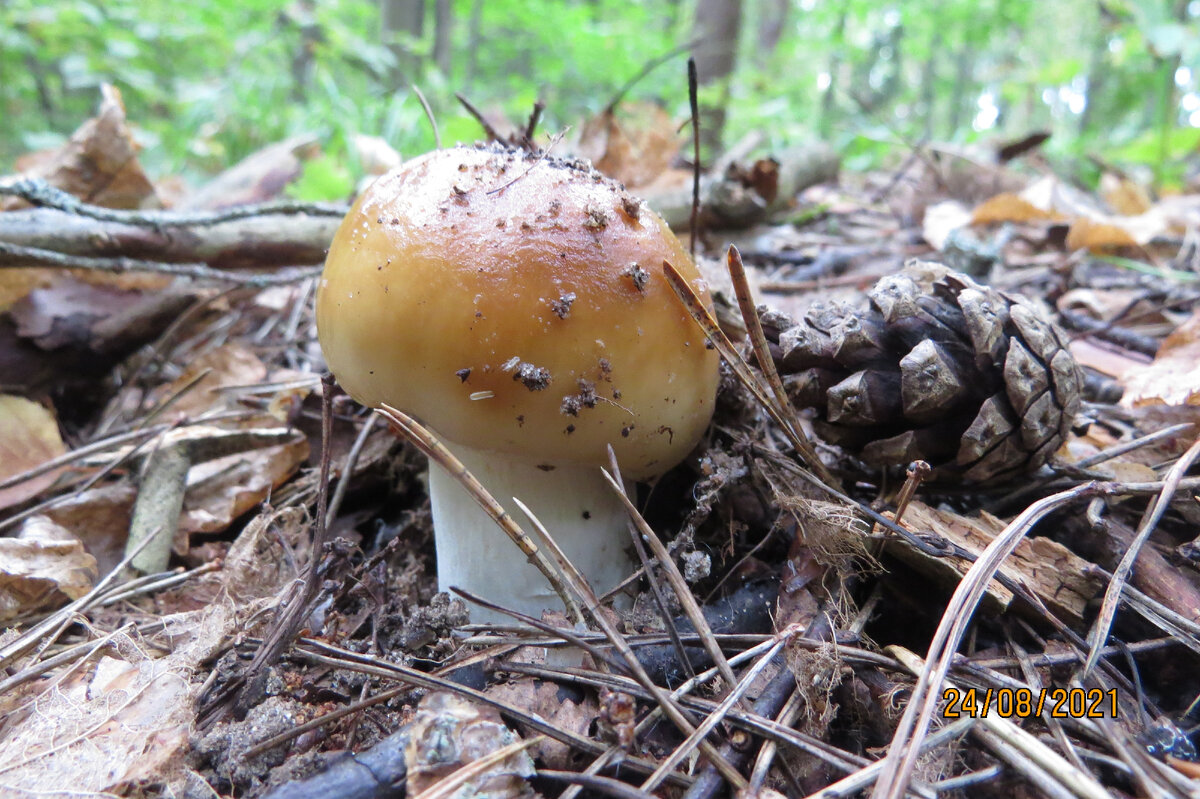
[354,661]
[445,788]
[906,742]
[687,600]
[852,784]
[766,755]
[1038,761]
[655,588]
[762,352]
[1112,595]
[427,443]
[718,339]
[44,631]
[669,707]
[749,721]
[569,637]
[713,719]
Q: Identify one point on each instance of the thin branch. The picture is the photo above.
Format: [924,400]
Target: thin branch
[40,193]
[34,256]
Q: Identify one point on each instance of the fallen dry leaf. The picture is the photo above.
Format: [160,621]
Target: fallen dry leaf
[449,733]
[99,518]
[1107,360]
[126,720]
[221,490]
[545,699]
[42,567]
[636,148]
[259,177]
[28,438]
[98,163]
[1009,208]
[1123,195]
[228,365]
[1174,376]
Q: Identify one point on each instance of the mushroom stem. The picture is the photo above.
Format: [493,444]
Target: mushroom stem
[574,503]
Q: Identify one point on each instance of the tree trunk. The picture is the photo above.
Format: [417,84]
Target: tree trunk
[474,37]
[772,20]
[401,21]
[442,35]
[835,65]
[964,67]
[716,24]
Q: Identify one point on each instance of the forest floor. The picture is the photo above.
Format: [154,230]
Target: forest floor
[1029,627]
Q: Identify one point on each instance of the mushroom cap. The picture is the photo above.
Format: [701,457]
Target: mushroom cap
[517,303]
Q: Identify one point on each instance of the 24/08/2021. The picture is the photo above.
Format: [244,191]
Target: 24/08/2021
[1061,703]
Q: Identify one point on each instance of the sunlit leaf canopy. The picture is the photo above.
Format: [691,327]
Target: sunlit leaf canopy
[208,82]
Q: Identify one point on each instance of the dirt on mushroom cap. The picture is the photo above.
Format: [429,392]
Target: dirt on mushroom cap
[456,261]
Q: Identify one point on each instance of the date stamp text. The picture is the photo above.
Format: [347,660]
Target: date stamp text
[1060,703]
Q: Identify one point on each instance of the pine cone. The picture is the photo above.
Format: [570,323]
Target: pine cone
[976,382]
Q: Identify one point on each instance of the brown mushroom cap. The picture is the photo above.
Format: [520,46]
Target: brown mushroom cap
[518,304]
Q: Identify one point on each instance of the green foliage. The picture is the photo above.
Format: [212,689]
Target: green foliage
[207,83]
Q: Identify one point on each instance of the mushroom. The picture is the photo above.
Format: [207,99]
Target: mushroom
[515,304]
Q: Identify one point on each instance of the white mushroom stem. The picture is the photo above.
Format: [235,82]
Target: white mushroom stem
[575,504]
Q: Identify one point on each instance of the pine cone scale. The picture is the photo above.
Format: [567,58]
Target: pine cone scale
[977,382]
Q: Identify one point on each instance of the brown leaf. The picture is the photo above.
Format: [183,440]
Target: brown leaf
[1123,195]
[64,314]
[28,438]
[1105,360]
[228,365]
[260,176]
[449,733]
[1174,376]
[544,699]
[41,568]
[635,149]
[1098,236]
[1009,208]
[99,518]
[219,491]
[98,164]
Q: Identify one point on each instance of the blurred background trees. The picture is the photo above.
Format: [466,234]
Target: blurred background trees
[210,81]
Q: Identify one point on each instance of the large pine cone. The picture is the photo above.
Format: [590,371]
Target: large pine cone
[939,368]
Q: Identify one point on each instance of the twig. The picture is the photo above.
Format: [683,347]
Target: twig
[717,716]
[584,591]
[1112,595]
[38,192]
[34,256]
[906,741]
[712,331]
[687,600]
[655,587]
[535,116]
[488,130]
[348,468]
[161,488]
[287,623]
[646,69]
[437,137]
[604,785]
[762,352]
[853,784]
